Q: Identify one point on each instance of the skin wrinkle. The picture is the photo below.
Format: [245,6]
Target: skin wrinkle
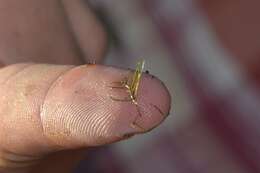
[24,94]
[14,160]
[54,82]
[20,161]
[56,133]
[17,73]
[11,160]
[10,156]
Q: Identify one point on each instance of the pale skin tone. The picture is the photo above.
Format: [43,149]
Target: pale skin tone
[51,113]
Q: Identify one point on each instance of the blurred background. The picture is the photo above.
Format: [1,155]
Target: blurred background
[207,53]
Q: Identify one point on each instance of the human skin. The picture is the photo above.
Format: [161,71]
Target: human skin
[50,113]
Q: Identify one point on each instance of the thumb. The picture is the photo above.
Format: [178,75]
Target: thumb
[46,108]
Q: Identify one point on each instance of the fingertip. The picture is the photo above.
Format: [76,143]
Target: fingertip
[155,102]
[152,108]
[79,110]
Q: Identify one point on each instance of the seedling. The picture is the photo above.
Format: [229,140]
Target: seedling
[131,84]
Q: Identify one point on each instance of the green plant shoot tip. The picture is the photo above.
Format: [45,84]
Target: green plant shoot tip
[136,79]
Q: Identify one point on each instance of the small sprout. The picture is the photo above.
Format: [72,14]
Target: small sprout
[158,109]
[136,80]
[131,84]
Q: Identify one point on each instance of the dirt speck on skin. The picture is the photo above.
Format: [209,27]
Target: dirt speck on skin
[81,91]
[127,136]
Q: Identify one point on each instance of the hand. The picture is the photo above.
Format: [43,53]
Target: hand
[48,112]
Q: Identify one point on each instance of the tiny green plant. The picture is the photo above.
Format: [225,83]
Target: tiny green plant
[136,80]
[131,84]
